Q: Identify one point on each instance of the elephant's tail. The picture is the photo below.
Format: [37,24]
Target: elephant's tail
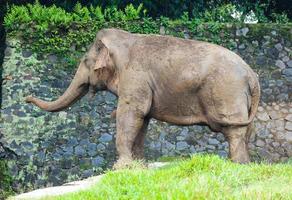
[255,92]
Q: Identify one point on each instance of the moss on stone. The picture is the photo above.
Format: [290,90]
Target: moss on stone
[257,31]
[5,180]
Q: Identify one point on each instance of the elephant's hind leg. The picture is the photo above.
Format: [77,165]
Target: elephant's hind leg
[238,138]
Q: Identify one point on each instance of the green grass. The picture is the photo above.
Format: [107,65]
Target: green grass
[201,177]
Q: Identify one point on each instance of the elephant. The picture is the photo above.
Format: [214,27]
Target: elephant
[179,81]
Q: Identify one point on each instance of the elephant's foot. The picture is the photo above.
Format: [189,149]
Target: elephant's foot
[238,139]
[138,152]
[126,163]
[241,158]
[238,151]
[123,163]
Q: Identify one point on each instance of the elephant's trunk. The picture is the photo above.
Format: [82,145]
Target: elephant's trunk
[77,89]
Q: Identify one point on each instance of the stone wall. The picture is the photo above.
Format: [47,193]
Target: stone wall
[53,148]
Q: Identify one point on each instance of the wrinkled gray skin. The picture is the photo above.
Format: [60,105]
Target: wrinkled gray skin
[174,80]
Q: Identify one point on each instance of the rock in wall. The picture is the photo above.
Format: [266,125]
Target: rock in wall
[53,148]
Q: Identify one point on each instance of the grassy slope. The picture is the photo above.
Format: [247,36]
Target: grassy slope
[201,177]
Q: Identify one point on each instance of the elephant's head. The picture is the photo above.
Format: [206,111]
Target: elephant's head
[95,70]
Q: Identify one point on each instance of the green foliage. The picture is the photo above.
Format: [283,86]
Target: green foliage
[280,18]
[200,177]
[97,13]
[112,14]
[174,8]
[17,14]
[5,181]
[81,13]
[54,30]
[220,14]
[132,13]
[260,12]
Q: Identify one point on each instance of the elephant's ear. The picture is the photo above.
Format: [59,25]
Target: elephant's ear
[102,56]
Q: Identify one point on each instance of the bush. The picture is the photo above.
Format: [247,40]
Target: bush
[280,18]
[221,14]
[174,8]
[5,181]
[55,30]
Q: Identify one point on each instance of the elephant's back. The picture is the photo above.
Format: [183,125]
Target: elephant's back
[180,51]
[178,59]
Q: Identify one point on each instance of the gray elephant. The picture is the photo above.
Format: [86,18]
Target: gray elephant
[179,81]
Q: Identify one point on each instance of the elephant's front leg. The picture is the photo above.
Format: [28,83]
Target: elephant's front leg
[130,123]
[138,146]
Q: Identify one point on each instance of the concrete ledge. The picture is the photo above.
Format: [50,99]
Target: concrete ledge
[59,190]
[70,187]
